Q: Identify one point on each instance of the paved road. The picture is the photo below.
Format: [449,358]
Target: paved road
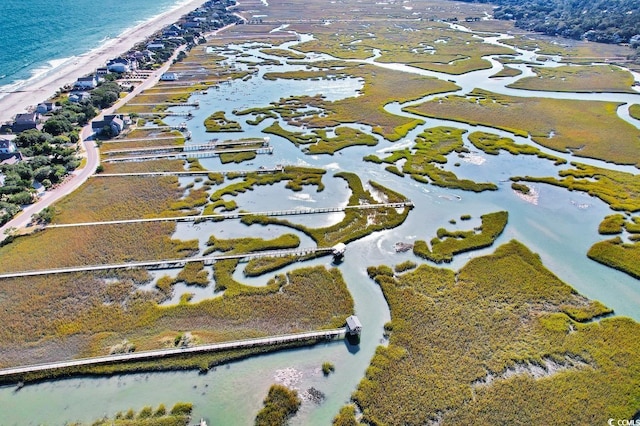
[136,356]
[89,150]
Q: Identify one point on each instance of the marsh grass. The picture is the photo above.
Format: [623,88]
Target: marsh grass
[449,331]
[449,243]
[620,190]
[431,148]
[634,111]
[320,143]
[218,122]
[589,78]
[493,144]
[356,223]
[616,254]
[581,127]
[381,86]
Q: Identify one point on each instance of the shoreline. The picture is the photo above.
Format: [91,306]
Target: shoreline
[43,88]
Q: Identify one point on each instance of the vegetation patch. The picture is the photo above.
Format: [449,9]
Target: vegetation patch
[620,190]
[583,128]
[218,122]
[280,405]
[586,78]
[493,144]
[357,223]
[616,254]
[431,148]
[320,142]
[634,111]
[450,331]
[507,71]
[295,177]
[449,243]
[180,415]
[381,86]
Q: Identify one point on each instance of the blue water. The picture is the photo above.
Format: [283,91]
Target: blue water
[38,35]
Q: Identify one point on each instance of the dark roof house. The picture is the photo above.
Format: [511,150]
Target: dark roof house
[24,122]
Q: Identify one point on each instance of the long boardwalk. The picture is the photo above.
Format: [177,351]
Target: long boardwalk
[162,353]
[190,154]
[276,169]
[238,215]
[171,263]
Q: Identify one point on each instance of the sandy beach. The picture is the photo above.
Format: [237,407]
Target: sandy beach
[44,88]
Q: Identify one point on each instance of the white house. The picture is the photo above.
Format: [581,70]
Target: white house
[88,82]
[121,65]
[169,76]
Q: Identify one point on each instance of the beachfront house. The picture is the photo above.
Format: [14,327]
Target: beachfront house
[7,149]
[121,65]
[155,46]
[86,83]
[46,107]
[116,123]
[77,97]
[26,121]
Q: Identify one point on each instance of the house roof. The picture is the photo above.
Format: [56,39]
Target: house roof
[28,117]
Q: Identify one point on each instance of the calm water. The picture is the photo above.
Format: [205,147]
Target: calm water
[38,35]
[560,227]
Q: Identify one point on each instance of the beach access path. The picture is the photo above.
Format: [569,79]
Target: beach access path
[90,151]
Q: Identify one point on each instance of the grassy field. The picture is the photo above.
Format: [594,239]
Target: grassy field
[589,78]
[584,128]
[634,111]
[501,340]
[218,122]
[179,415]
[507,71]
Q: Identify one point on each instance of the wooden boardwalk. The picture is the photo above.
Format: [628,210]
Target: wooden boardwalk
[171,263]
[239,215]
[163,353]
[276,169]
[183,155]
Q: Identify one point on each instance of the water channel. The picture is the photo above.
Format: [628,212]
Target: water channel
[559,225]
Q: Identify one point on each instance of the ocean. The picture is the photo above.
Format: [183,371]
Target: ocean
[36,36]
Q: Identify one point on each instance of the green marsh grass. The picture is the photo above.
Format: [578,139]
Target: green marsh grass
[587,78]
[449,243]
[581,127]
[454,336]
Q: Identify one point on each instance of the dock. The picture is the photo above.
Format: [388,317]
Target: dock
[323,335]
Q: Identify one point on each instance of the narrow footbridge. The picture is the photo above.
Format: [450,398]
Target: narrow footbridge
[239,215]
[163,353]
[172,263]
[183,155]
[265,170]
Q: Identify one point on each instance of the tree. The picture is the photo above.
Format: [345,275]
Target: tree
[57,126]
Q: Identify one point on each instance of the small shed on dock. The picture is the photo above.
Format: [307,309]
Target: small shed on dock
[339,249]
[354,327]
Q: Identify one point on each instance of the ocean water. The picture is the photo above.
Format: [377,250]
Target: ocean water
[36,36]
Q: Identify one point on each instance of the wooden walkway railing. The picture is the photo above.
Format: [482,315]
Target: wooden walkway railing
[162,353]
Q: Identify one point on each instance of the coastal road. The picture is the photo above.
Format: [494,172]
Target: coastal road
[89,150]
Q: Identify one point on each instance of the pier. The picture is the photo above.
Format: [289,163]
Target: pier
[264,170]
[238,215]
[172,263]
[183,155]
[325,335]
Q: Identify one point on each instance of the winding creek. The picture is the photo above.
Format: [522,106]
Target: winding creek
[560,226]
